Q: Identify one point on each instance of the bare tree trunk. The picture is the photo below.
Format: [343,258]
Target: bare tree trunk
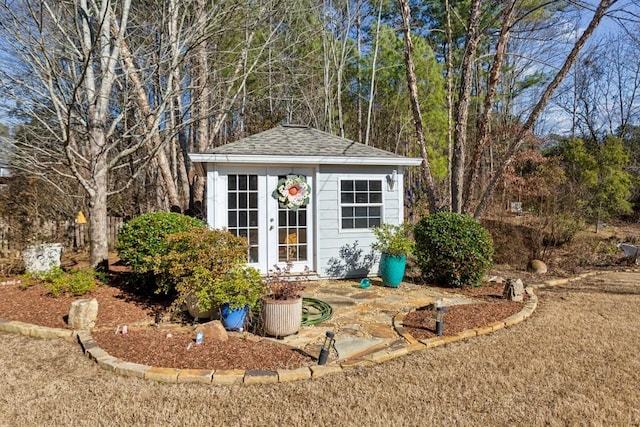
[462,107]
[484,119]
[449,83]
[427,178]
[202,96]
[359,71]
[517,142]
[373,77]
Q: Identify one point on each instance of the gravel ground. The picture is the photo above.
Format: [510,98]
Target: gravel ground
[574,362]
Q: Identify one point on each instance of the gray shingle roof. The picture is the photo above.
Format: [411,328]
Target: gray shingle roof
[296,140]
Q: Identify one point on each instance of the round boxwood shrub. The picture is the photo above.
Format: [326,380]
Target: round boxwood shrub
[452,250]
[143,237]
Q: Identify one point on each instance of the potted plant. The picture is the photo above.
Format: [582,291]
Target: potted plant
[394,243]
[235,292]
[281,307]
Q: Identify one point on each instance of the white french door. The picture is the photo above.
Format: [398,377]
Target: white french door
[290,231]
[276,234]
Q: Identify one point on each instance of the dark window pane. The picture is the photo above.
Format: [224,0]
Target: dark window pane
[253,182]
[302,252]
[242,199]
[362,198]
[282,254]
[346,185]
[231,197]
[347,212]
[375,198]
[374,222]
[253,200]
[282,218]
[293,253]
[282,236]
[361,223]
[362,185]
[361,212]
[253,236]
[243,232]
[375,185]
[232,219]
[302,218]
[242,182]
[346,198]
[292,218]
[253,218]
[233,185]
[253,254]
[347,223]
[302,235]
[375,211]
[242,219]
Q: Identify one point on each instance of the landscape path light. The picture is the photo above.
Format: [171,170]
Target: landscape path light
[326,348]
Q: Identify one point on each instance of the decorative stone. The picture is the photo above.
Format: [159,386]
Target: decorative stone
[536,266]
[42,258]
[213,330]
[194,308]
[83,314]
[513,290]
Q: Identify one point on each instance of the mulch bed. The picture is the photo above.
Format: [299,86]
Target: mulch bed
[150,345]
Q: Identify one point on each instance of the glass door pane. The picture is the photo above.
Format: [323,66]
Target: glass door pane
[242,211]
[292,234]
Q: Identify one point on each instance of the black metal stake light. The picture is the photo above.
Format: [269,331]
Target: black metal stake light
[326,348]
[440,309]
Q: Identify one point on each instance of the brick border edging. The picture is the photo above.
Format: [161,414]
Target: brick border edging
[401,347]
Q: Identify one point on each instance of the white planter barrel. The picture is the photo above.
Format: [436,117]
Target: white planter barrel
[281,318]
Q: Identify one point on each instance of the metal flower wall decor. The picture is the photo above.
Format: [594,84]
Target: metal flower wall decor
[292,192]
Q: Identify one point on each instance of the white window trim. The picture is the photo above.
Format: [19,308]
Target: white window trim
[340,204]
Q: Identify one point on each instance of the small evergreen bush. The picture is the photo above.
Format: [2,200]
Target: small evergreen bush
[142,238]
[76,283]
[240,286]
[195,257]
[452,249]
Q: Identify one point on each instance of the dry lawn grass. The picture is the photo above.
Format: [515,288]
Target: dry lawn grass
[575,362]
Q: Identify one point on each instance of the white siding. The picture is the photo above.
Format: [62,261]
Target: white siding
[331,238]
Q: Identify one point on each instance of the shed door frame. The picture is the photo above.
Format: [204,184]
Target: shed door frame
[263,236]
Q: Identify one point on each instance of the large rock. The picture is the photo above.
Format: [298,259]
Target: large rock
[513,290]
[83,314]
[536,266]
[213,330]
[40,259]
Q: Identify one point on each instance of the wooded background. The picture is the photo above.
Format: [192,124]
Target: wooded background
[505,100]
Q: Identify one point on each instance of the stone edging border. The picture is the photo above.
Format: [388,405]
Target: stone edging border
[401,347]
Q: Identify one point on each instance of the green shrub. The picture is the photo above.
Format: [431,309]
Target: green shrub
[393,239]
[77,282]
[240,286]
[452,250]
[30,279]
[142,238]
[187,254]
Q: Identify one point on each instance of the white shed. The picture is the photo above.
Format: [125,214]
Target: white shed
[351,187]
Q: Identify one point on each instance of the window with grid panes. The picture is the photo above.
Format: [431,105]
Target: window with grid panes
[242,210]
[360,203]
